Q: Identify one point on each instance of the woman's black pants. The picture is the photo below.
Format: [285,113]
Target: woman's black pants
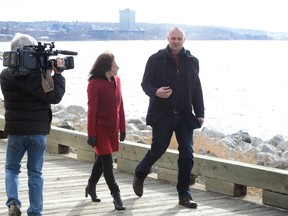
[104,164]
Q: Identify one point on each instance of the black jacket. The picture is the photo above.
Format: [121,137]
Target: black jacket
[27,106]
[187,95]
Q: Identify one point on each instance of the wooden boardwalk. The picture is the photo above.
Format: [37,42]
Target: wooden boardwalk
[65,179]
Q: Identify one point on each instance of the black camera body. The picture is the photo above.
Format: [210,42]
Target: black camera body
[32,58]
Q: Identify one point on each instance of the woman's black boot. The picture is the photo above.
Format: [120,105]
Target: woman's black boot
[91,190]
[118,201]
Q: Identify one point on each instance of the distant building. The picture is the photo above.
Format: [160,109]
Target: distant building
[127,20]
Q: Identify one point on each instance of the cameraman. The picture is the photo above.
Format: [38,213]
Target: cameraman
[27,101]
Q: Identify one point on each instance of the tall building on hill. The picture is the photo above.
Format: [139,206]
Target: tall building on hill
[127,20]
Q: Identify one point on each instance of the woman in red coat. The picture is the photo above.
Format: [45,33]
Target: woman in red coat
[106,119]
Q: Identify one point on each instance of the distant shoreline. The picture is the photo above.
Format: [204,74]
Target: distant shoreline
[105,31]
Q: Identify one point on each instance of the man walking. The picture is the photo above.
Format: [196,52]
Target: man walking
[171,81]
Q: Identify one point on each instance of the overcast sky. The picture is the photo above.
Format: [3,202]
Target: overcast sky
[269,15]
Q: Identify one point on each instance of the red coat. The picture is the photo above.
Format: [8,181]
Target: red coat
[106,117]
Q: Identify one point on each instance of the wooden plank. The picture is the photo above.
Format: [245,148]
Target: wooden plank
[242,173]
[275,199]
[127,166]
[57,148]
[85,155]
[167,174]
[2,122]
[67,137]
[226,188]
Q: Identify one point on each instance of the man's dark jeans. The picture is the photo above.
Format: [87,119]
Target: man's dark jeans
[162,133]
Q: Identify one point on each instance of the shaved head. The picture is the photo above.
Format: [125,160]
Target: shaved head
[176,39]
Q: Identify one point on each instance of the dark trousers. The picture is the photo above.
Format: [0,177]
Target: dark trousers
[104,164]
[161,135]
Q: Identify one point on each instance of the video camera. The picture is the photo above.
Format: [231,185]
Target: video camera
[30,58]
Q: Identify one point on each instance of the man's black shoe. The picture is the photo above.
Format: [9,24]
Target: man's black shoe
[188,202]
[138,186]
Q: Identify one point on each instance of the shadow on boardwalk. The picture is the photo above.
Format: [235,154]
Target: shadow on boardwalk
[65,179]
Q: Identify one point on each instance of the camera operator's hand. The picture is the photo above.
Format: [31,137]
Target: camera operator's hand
[55,69]
[91,141]
[47,81]
[58,64]
[122,136]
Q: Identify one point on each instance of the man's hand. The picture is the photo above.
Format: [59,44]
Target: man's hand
[122,136]
[201,121]
[58,65]
[91,141]
[164,92]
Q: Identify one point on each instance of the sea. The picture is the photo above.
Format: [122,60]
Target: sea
[245,83]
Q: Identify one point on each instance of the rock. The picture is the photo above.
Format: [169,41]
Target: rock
[283,146]
[211,133]
[256,141]
[267,148]
[235,147]
[66,126]
[265,159]
[227,142]
[76,110]
[240,136]
[285,154]
[282,163]
[277,140]
[244,146]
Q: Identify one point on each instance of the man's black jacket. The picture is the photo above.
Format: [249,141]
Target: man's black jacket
[184,80]
[27,106]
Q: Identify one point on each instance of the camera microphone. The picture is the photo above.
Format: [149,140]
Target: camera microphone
[66,52]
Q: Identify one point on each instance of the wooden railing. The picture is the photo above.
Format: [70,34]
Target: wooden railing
[222,175]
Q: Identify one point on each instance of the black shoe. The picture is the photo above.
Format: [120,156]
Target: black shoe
[118,203]
[91,190]
[188,202]
[138,186]
[14,210]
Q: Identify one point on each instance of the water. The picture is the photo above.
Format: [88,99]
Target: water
[244,82]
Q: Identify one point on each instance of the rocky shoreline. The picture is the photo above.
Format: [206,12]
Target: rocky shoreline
[238,146]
